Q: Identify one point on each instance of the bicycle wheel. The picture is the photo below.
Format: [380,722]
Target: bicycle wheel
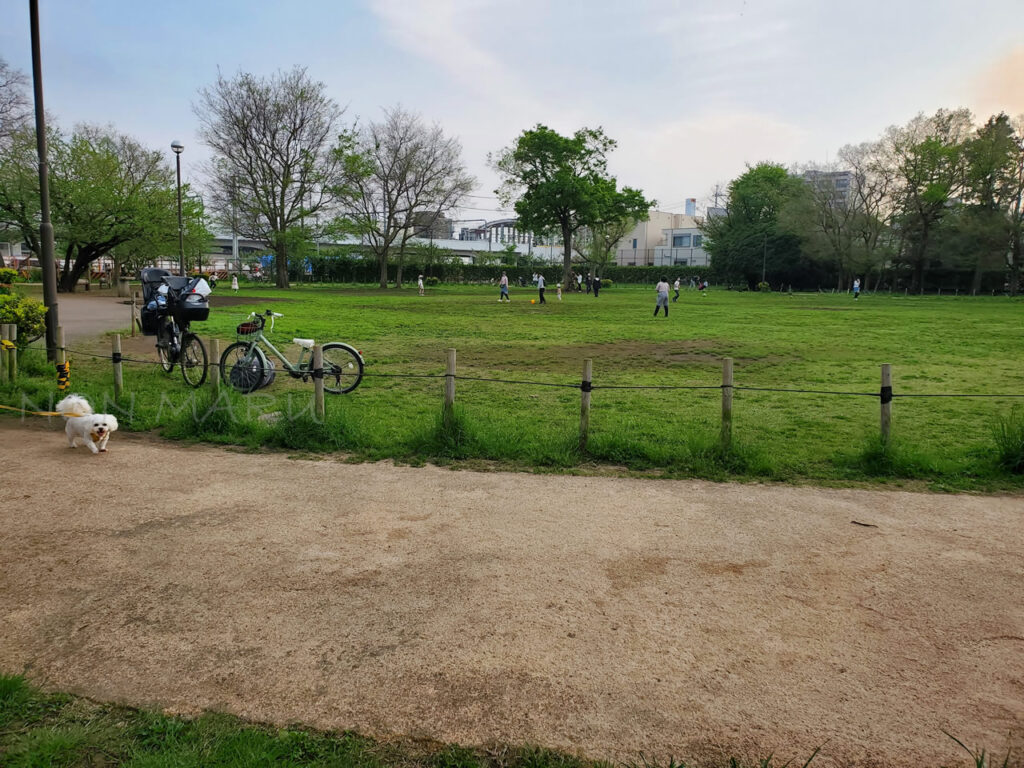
[163,345]
[193,360]
[242,367]
[343,368]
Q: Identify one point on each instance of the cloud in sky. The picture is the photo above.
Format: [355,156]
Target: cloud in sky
[1000,85]
[691,91]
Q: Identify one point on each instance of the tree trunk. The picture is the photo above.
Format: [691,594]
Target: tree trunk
[1015,258]
[281,252]
[401,264]
[979,272]
[383,263]
[567,253]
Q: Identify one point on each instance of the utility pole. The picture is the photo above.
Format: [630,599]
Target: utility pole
[46,261]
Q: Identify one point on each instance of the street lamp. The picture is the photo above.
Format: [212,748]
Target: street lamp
[178,148]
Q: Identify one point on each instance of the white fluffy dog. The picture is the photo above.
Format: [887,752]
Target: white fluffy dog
[85,427]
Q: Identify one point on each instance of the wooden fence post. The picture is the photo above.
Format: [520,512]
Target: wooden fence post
[213,367]
[5,330]
[449,382]
[12,359]
[318,380]
[886,400]
[727,402]
[588,372]
[118,375]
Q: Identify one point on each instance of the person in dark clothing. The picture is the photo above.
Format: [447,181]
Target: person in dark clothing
[588,283]
[597,285]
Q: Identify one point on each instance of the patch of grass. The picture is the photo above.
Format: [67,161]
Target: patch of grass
[1009,439]
[879,458]
[40,730]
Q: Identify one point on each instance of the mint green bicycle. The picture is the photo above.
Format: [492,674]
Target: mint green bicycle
[246,367]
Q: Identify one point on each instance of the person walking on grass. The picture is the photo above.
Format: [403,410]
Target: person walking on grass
[856,287]
[597,285]
[676,289]
[662,289]
[558,289]
[503,289]
[540,288]
[234,283]
[419,284]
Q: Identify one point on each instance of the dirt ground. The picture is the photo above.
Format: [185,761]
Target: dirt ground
[597,615]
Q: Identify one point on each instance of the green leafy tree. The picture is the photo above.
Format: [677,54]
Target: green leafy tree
[992,196]
[929,158]
[107,192]
[561,183]
[748,239]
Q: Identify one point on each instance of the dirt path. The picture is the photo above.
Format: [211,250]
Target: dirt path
[601,616]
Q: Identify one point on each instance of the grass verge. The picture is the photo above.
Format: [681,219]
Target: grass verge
[56,730]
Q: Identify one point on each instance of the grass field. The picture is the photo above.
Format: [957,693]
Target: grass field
[58,731]
[936,345]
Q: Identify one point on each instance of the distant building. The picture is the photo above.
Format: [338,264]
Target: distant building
[684,247]
[433,226]
[636,249]
[838,183]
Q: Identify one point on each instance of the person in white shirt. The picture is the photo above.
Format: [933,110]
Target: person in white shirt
[540,288]
[503,288]
[675,287]
[419,283]
[662,289]
[856,288]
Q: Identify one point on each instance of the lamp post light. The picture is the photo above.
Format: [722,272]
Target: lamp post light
[178,148]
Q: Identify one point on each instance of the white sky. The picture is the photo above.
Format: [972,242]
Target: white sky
[692,91]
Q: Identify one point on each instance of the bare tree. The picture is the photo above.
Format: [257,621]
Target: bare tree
[15,106]
[873,188]
[596,243]
[401,173]
[278,149]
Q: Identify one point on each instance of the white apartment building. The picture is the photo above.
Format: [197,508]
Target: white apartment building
[637,247]
[684,247]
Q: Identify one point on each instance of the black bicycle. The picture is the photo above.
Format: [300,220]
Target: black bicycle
[170,304]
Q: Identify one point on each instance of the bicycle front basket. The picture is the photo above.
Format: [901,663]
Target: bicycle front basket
[250,328]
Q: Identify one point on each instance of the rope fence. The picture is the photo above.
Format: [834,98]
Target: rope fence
[586,386]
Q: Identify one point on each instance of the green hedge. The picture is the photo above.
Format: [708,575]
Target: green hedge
[27,313]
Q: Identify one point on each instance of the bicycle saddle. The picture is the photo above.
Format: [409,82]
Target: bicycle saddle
[304,343]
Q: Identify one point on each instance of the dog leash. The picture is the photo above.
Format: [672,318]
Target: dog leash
[42,413]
